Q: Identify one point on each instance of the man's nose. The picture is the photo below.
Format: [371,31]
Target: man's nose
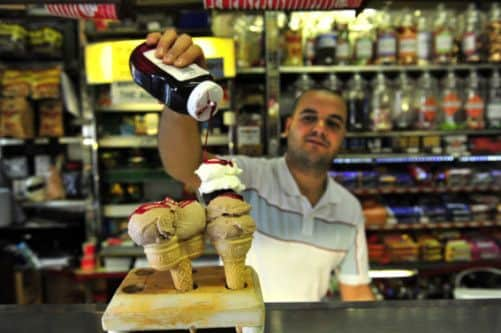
[319,126]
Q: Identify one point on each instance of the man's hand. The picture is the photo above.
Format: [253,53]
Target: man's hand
[360,292]
[176,50]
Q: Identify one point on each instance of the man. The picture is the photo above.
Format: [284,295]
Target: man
[307,225]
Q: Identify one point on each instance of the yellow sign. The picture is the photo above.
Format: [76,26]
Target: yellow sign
[108,62]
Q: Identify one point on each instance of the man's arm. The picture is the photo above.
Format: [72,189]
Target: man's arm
[360,292]
[178,137]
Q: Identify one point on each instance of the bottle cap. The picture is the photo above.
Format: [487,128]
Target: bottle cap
[204,100]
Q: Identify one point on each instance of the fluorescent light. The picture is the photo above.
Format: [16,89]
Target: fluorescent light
[392,273]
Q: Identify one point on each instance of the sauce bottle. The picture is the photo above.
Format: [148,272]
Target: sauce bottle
[189,90]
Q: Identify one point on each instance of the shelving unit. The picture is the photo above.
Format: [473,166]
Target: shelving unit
[150,141]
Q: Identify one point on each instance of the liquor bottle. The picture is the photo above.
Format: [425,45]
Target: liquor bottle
[404,114]
[472,43]
[451,104]
[333,83]
[325,47]
[407,40]
[302,84]
[474,104]
[386,44]
[381,105]
[189,90]
[494,33]
[424,41]
[343,47]
[494,101]
[426,102]
[358,104]
[443,37]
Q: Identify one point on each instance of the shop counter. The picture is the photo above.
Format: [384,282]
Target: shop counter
[388,316]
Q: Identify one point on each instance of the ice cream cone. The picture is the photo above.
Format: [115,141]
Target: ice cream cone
[194,246]
[182,275]
[165,255]
[233,252]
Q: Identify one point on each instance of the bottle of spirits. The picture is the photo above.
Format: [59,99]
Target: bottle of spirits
[451,104]
[443,37]
[426,102]
[494,101]
[386,45]
[381,106]
[358,104]
[474,103]
[404,114]
[407,40]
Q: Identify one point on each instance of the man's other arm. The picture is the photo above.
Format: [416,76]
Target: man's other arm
[360,292]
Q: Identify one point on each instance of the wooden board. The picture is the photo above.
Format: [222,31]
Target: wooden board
[147,300]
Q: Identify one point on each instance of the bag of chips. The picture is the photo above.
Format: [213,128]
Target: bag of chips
[17,118]
[51,118]
[46,83]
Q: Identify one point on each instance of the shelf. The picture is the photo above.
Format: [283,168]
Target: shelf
[250,70]
[439,266]
[150,141]
[432,225]
[39,141]
[119,210]
[422,133]
[63,205]
[137,251]
[411,158]
[383,68]
[424,189]
[132,107]
[134,175]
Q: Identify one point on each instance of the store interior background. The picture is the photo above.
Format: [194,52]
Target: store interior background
[422,153]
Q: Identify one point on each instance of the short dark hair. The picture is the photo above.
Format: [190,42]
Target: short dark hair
[335,93]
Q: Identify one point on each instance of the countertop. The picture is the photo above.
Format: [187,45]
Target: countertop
[456,316]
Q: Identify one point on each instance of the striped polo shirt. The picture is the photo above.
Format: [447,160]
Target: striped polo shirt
[296,247]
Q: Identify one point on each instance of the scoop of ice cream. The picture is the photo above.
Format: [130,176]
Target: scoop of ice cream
[227,205]
[230,227]
[217,174]
[190,219]
[153,222]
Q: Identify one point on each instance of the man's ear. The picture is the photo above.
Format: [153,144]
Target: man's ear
[288,122]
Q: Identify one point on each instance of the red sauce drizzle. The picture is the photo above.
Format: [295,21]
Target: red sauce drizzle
[232,195]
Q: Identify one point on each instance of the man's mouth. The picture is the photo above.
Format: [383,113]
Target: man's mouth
[317,142]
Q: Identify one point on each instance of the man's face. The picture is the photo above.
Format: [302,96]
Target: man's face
[316,130]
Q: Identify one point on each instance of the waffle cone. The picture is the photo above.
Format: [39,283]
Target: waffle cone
[182,275]
[233,252]
[164,256]
[193,247]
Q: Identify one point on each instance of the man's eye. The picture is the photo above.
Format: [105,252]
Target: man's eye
[309,118]
[334,125]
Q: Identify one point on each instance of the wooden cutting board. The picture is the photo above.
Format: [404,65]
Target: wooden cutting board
[147,300]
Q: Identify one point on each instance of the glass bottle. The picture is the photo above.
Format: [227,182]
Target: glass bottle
[494,101]
[474,103]
[472,39]
[381,105]
[494,33]
[452,104]
[333,83]
[443,37]
[343,47]
[426,102]
[302,84]
[404,114]
[407,40]
[386,44]
[358,104]
[424,41]
[325,47]
[294,47]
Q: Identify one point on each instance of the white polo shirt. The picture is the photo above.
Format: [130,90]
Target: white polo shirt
[297,246]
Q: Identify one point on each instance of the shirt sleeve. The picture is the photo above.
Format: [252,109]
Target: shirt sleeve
[354,268]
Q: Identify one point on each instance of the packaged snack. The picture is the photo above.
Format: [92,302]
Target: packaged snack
[17,118]
[51,118]
[12,39]
[45,40]
[46,83]
[16,83]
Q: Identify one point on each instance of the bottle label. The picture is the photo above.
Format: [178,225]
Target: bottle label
[387,45]
[443,43]
[429,111]
[474,107]
[451,104]
[343,50]
[408,46]
[364,48]
[180,74]
[469,43]
[249,135]
[326,41]
[423,40]
[494,110]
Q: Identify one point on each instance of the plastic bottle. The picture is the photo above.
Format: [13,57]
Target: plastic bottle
[358,104]
[381,105]
[189,90]
[407,40]
[426,103]
[386,44]
[451,104]
[404,114]
[494,33]
[474,103]
[443,37]
[494,101]
[472,43]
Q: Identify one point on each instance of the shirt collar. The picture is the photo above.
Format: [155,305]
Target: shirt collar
[290,187]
